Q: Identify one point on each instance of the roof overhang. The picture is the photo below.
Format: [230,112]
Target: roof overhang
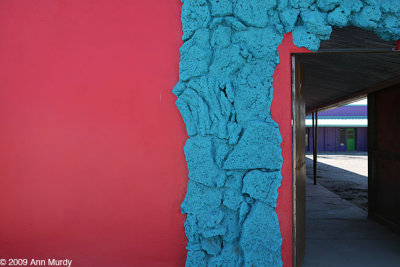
[353,63]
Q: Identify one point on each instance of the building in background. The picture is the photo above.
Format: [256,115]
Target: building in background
[341,129]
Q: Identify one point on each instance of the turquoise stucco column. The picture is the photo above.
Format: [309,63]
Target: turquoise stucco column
[224,95]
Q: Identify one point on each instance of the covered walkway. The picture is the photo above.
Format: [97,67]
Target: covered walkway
[338,233]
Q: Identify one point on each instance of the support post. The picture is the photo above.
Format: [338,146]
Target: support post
[313,138]
[315,154]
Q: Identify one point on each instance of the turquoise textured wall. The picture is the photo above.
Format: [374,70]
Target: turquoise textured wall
[224,95]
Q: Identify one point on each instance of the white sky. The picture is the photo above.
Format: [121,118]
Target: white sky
[360,102]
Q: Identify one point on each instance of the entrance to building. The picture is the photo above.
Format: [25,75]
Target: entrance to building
[341,72]
[351,139]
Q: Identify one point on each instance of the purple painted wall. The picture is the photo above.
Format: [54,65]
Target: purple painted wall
[344,111]
[329,139]
[362,139]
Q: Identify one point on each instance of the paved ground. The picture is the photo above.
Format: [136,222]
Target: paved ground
[345,175]
[338,232]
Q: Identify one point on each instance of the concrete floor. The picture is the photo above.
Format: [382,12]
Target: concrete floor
[343,174]
[338,233]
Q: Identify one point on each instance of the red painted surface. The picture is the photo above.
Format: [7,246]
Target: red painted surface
[398,45]
[91,144]
[91,161]
[281,110]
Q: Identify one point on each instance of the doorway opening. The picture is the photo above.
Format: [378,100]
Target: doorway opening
[342,151]
[330,228]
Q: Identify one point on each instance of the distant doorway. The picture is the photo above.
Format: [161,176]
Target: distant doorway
[351,139]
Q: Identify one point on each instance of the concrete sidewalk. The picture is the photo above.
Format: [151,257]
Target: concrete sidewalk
[338,233]
[343,174]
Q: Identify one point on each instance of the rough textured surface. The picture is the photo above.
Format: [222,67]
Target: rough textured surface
[224,96]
